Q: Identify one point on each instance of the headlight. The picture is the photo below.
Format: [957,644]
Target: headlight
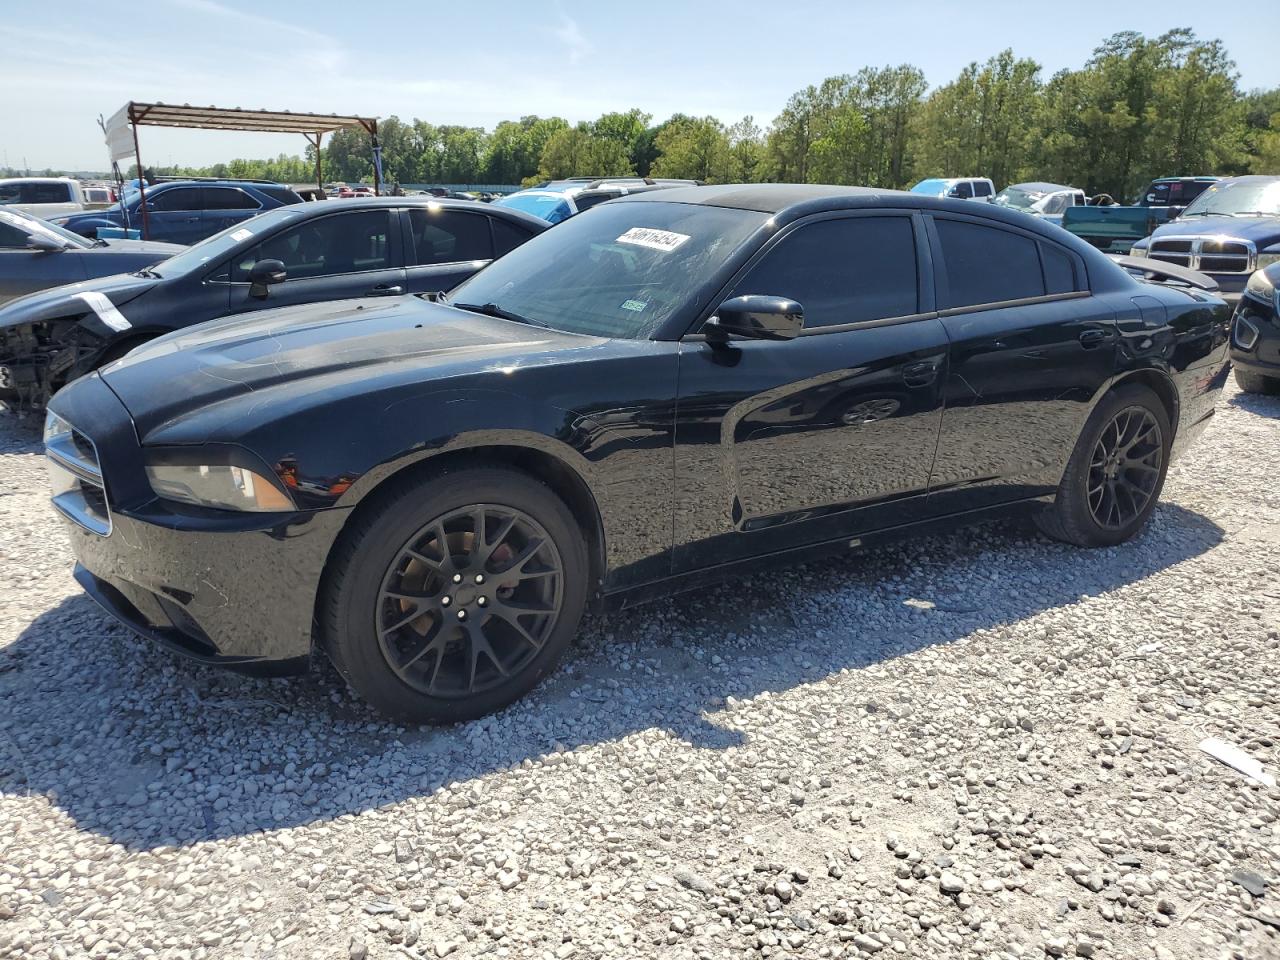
[1260,285]
[1137,251]
[54,427]
[216,482]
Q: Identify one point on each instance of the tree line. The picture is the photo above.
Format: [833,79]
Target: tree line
[1139,108]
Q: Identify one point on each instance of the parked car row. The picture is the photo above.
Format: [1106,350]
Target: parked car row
[671,387]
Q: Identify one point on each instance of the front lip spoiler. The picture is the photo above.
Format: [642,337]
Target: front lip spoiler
[114,602]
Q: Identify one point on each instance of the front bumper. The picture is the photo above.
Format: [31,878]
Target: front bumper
[217,586]
[1261,332]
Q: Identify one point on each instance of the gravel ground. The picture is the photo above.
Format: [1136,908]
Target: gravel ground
[977,745]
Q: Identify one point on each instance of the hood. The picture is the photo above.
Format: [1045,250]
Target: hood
[1263,231]
[62,301]
[285,355]
[143,246]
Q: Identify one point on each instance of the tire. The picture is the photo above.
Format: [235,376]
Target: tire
[1081,513]
[393,602]
[1256,382]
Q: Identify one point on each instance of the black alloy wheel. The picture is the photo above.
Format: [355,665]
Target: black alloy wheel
[1126,468]
[452,593]
[469,600]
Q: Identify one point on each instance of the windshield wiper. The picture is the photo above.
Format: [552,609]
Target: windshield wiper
[493,310]
[98,242]
[149,273]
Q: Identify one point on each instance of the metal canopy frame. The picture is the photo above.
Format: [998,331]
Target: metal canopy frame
[313,126]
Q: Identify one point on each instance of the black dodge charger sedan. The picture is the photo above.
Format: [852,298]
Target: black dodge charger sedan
[668,387]
[1255,333]
[301,253]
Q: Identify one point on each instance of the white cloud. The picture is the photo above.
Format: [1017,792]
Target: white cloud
[571,35]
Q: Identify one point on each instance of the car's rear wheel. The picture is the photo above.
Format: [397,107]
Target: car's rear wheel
[1116,471]
[1256,382]
[455,596]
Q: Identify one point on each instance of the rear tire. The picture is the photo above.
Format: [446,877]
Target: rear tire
[430,622]
[1116,471]
[1256,382]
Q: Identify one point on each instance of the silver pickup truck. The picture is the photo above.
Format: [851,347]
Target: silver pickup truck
[42,197]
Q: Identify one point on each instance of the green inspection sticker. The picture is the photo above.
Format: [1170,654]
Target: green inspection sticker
[636,305]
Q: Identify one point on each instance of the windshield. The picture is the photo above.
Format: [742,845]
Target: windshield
[546,207]
[30,225]
[932,188]
[206,251]
[1019,199]
[620,270]
[1238,198]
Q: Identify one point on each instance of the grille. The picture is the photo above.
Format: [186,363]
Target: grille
[75,478]
[1209,254]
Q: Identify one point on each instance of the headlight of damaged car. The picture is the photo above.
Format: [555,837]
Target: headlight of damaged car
[224,478]
[1261,285]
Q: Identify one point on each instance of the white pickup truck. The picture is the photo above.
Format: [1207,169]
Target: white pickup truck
[42,197]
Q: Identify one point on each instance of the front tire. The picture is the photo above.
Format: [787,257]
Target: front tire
[456,595]
[1116,471]
[1256,382]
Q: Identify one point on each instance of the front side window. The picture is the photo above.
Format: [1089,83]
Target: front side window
[963,190]
[982,189]
[11,237]
[10,193]
[841,271]
[449,236]
[621,271]
[987,264]
[325,247]
[228,198]
[182,198]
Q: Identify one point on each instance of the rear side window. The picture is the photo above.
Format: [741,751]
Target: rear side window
[981,189]
[1059,269]
[987,264]
[282,195]
[449,236]
[228,198]
[182,198]
[47,193]
[506,236]
[842,271]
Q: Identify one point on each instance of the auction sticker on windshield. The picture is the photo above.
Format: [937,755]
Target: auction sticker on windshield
[653,239]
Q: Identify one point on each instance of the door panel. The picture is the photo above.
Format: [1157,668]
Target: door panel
[1017,393]
[782,444]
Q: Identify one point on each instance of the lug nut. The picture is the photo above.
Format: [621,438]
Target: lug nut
[457,578]
[479,578]
[445,601]
[482,601]
[462,614]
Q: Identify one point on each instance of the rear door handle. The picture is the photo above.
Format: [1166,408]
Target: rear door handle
[1094,338]
[386,290]
[921,373]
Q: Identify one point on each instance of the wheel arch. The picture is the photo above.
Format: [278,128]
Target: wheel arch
[535,461]
[1160,383]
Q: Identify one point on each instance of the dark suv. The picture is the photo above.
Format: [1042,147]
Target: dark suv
[185,211]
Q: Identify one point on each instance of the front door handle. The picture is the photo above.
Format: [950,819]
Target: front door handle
[386,290]
[921,373]
[1094,338]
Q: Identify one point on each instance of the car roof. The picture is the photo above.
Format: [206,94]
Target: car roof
[38,180]
[1040,186]
[379,203]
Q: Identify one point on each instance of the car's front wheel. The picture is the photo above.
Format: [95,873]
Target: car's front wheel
[1256,382]
[1115,473]
[453,597]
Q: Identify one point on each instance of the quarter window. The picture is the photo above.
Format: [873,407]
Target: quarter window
[1059,269]
[325,247]
[506,236]
[449,236]
[987,265]
[842,271]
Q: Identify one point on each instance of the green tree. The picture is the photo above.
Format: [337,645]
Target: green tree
[575,152]
[694,149]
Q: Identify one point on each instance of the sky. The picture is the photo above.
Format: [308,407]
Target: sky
[482,62]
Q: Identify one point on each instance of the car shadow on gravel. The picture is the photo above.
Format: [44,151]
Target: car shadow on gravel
[1259,403]
[146,750]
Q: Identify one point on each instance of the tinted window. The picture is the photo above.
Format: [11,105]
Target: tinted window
[449,236]
[228,198]
[280,194]
[842,271]
[1056,205]
[325,246]
[506,236]
[12,238]
[182,198]
[1059,269]
[10,192]
[47,193]
[987,264]
[962,190]
[982,189]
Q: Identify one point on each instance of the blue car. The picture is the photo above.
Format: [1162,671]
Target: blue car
[184,211]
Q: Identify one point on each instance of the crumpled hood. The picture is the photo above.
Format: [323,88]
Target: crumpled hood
[1263,231]
[279,356]
[64,301]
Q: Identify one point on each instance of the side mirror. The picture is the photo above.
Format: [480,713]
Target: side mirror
[263,274]
[43,244]
[756,317]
